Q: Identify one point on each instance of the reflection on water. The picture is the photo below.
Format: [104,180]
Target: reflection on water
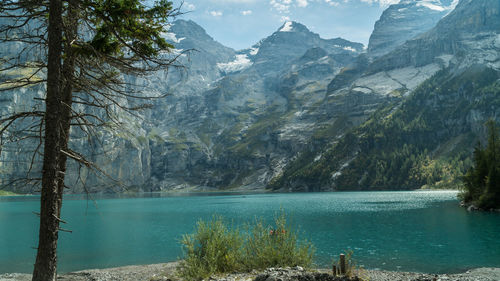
[415,231]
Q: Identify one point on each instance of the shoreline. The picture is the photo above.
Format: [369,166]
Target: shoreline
[237,191]
[165,271]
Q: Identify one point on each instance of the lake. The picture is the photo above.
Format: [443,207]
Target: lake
[424,231]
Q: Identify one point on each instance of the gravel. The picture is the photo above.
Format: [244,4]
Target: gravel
[165,271]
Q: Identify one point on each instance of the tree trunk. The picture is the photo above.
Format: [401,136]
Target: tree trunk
[46,259]
[68,73]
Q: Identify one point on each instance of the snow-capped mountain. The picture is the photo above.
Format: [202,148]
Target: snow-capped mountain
[406,20]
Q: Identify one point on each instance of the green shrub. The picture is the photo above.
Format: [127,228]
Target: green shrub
[215,248]
[275,247]
[212,249]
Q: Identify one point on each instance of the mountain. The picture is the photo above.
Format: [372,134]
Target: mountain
[406,20]
[470,29]
[296,112]
[425,138]
[227,134]
[218,126]
[293,39]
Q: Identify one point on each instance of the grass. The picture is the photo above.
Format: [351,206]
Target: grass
[216,248]
[7,193]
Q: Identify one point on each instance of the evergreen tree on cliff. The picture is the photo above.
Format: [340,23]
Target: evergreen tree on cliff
[89,44]
[482,182]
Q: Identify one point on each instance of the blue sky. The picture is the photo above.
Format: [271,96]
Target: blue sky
[241,23]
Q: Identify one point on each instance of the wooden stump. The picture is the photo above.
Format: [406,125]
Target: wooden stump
[342,264]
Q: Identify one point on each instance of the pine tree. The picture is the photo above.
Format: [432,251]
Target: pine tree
[482,182]
[90,44]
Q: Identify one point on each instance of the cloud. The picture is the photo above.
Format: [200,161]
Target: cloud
[246,13]
[335,3]
[283,6]
[382,3]
[331,3]
[284,18]
[216,13]
[302,3]
[234,1]
[189,6]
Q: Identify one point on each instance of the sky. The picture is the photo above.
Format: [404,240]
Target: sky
[239,24]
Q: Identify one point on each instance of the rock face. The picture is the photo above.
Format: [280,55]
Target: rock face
[404,21]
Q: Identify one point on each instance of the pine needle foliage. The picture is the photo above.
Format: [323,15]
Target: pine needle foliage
[482,182]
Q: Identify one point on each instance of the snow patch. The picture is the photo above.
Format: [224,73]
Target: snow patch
[431,6]
[349,49]
[362,90]
[497,42]
[300,113]
[324,60]
[454,4]
[287,27]
[254,51]
[241,62]
[172,37]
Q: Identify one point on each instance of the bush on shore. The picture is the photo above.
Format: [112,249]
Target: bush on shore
[216,248]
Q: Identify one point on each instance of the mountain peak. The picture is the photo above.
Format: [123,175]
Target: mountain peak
[293,26]
[188,28]
[404,21]
[469,29]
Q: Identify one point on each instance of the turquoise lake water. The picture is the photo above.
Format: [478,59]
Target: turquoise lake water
[423,231]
